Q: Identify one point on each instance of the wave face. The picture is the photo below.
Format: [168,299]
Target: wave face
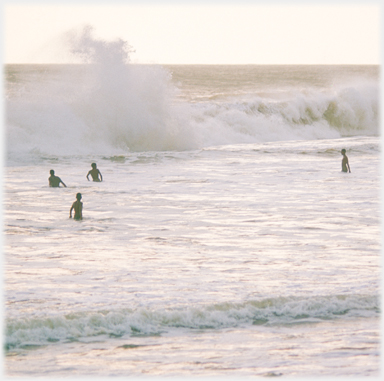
[116,323]
[110,106]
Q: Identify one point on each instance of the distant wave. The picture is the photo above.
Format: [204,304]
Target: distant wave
[300,115]
[34,331]
[111,107]
[145,117]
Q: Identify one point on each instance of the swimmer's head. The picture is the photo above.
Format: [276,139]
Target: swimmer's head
[78,196]
[343,151]
[93,165]
[52,172]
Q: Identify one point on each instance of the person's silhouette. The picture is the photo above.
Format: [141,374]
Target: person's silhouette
[77,206]
[54,181]
[94,172]
[345,163]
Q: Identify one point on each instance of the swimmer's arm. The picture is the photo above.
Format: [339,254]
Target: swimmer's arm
[89,172]
[349,168]
[70,211]
[101,177]
[63,183]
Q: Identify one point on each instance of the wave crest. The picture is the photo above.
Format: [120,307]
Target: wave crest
[110,107]
[144,321]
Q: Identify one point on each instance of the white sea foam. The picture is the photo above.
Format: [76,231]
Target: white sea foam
[42,330]
[110,106]
[235,259]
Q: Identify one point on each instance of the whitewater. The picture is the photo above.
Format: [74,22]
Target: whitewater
[224,240]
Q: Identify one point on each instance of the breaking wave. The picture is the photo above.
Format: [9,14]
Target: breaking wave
[109,106]
[117,323]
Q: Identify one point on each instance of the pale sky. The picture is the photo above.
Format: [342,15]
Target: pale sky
[210,32]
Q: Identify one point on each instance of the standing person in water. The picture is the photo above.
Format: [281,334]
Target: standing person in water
[54,181]
[345,163]
[94,172]
[77,206]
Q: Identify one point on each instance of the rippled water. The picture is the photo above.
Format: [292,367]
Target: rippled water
[245,259]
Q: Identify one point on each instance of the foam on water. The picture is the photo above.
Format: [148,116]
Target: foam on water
[283,310]
[234,259]
[109,106]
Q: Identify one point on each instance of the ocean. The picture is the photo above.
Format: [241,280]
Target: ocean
[224,240]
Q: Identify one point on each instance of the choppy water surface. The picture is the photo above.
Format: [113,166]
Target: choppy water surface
[231,260]
[224,239]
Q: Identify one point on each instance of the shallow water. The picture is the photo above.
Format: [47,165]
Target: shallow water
[256,259]
[224,239]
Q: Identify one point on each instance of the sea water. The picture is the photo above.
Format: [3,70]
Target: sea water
[224,240]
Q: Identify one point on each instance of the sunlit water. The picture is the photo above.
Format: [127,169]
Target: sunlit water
[242,251]
[236,260]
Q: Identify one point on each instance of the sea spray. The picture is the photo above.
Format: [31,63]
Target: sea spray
[88,49]
[108,106]
[127,106]
[104,106]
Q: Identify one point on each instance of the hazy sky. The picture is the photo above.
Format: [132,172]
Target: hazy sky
[210,32]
